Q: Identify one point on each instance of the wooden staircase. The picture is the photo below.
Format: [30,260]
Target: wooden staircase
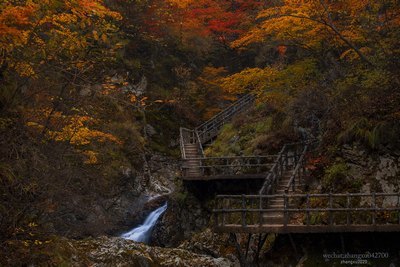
[192,140]
[210,129]
[273,216]
[193,163]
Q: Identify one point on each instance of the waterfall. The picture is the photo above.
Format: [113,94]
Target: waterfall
[142,233]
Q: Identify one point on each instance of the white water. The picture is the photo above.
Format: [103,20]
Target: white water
[142,233]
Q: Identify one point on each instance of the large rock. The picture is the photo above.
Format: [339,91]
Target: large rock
[184,217]
[379,172]
[105,251]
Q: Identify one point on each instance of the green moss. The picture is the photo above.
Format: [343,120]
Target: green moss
[335,175]
[337,178]
[246,138]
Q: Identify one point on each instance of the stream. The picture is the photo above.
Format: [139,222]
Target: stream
[142,232]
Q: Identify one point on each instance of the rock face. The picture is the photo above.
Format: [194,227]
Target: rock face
[212,244]
[106,251]
[378,172]
[182,219]
[121,207]
[155,187]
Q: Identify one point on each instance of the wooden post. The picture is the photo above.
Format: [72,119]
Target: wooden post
[293,245]
[342,243]
[330,209]
[374,207]
[286,159]
[261,214]
[294,182]
[308,210]
[216,220]
[223,213]
[260,244]
[243,211]
[304,163]
[348,210]
[398,207]
[216,215]
[285,212]
[242,260]
[248,245]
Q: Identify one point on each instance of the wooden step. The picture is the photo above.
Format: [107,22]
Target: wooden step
[273,219]
[195,164]
[193,174]
[190,145]
[276,206]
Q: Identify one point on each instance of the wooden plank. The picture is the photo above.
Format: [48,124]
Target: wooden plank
[279,229]
[224,177]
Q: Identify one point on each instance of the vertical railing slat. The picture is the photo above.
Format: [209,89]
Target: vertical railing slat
[260,208]
[285,211]
[330,209]
[308,210]
[243,211]
[348,209]
[374,208]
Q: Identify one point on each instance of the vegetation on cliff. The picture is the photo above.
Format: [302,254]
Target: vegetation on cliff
[91,90]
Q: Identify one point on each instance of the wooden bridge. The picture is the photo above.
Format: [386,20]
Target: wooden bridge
[282,204]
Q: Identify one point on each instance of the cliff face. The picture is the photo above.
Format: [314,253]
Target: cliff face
[357,169]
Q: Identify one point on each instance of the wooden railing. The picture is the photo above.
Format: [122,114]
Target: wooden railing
[209,129]
[309,210]
[299,171]
[287,159]
[241,165]
[188,136]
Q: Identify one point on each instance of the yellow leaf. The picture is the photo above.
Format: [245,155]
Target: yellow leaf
[95,35]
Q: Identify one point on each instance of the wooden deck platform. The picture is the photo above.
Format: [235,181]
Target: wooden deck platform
[224,177]
[308,213]
[282,204]
[302,229]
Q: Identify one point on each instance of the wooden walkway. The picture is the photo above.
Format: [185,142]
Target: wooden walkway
[282,204]
[307,213]
[195,166]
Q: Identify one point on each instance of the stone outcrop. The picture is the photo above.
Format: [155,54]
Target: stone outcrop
[379,172]
[183,218]
[105,251]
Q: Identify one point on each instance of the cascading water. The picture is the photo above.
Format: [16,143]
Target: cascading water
[142,233]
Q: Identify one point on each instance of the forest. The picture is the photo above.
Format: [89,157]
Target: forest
[94,92]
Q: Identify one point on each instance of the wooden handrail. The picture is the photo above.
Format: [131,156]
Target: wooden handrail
[275,174]
[296,172]
[199,143]
[204,133]
[210,128]
[182,142]
[239,102]
[311,195]
[331,205]
[237,157]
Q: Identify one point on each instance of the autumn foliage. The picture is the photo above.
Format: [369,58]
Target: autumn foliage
[91,87]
